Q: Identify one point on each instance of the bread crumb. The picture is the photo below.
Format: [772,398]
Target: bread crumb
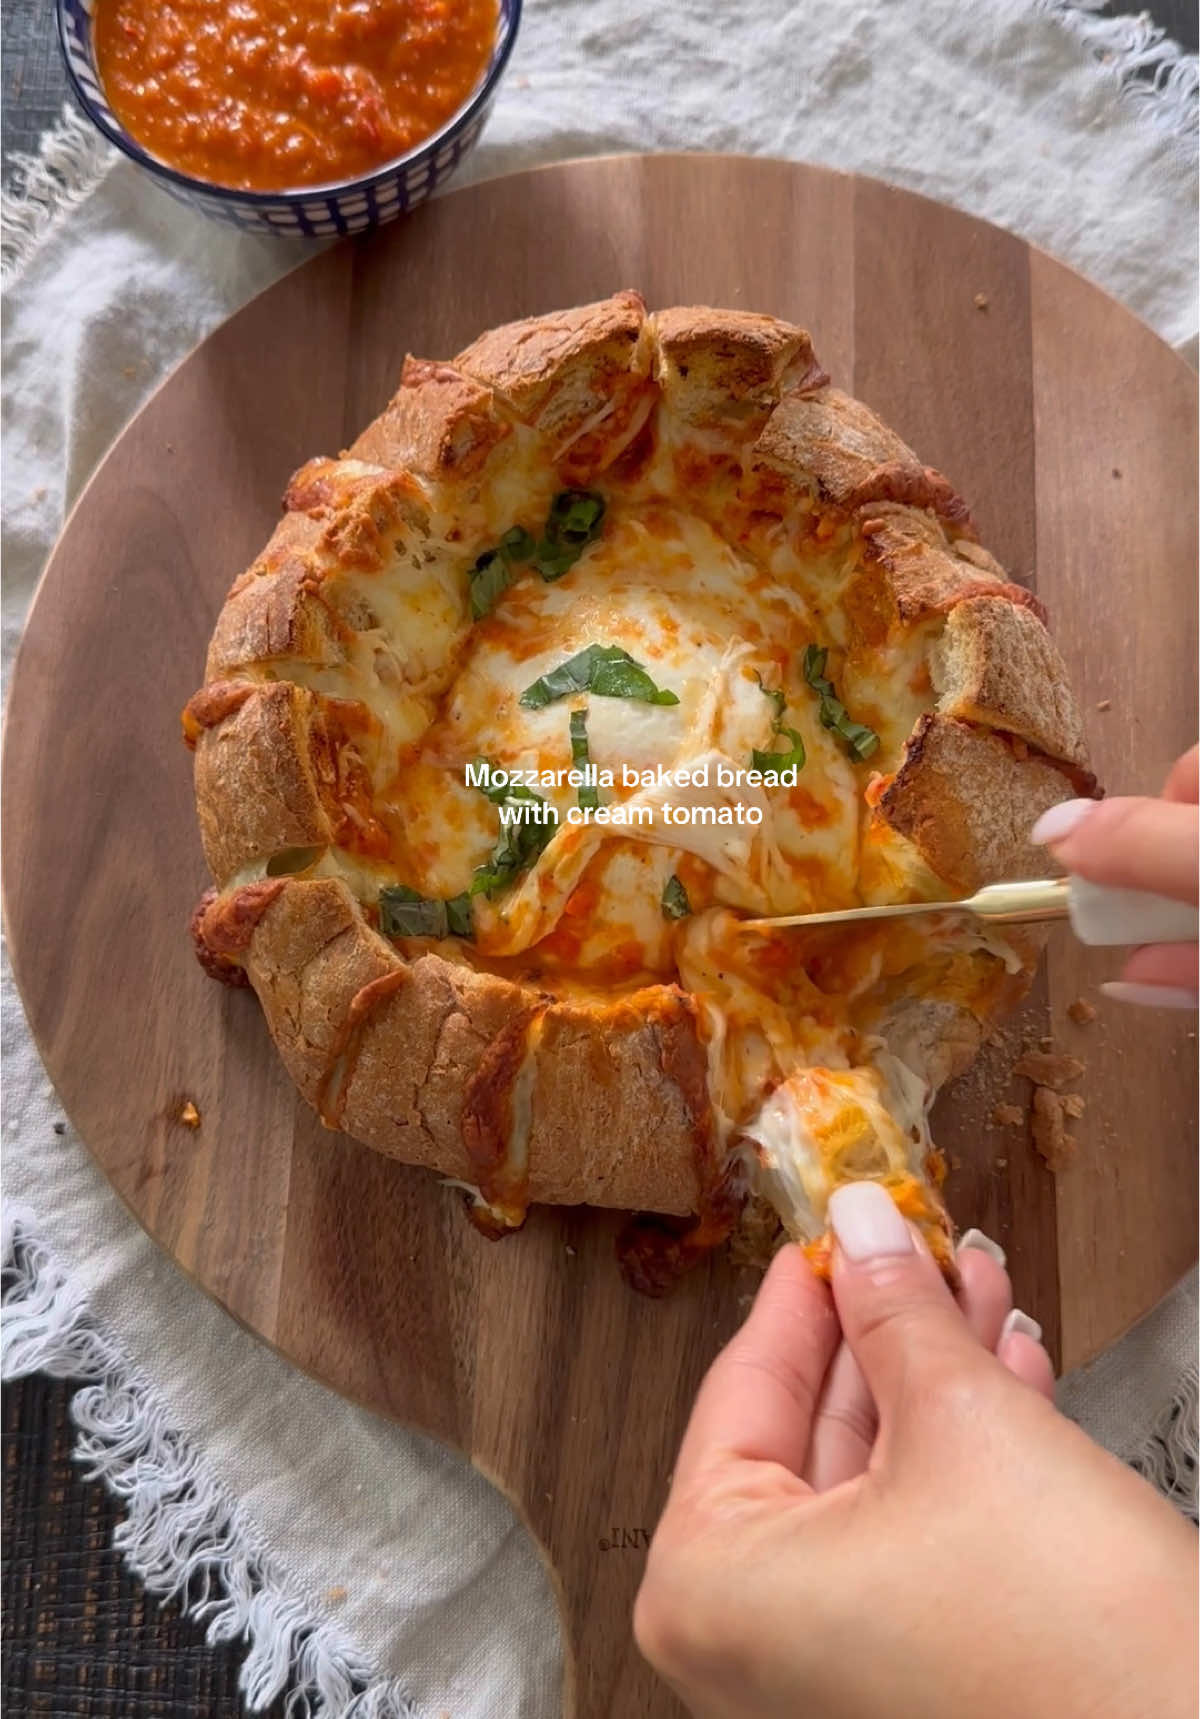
[1104,704]
[189,1115]
[569,1250]
[1081,1011]
[1008,1116]
[1002,1163]
[1048,1068]
[1050,1136]
[981,302]
[1072,1103]
[336,1596]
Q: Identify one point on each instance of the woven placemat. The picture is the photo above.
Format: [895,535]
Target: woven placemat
[81,1636]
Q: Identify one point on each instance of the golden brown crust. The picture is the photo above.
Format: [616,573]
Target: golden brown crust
[217,965]
[726,369]
[833,443]
[361,509]
[277,616]
[967,800]
[256,788]
[911,570]
[611,1122]
[488,1080]
[559,373]
[439,423]
[285,770]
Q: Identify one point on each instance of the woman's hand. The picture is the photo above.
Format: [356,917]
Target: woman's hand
[1139,844]
[904,1525]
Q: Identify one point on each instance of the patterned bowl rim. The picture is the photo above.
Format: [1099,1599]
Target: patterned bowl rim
[507,23]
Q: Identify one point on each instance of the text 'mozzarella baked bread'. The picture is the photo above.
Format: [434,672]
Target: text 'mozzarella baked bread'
[616,630]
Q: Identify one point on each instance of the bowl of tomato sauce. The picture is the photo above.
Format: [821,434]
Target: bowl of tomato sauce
[305,118]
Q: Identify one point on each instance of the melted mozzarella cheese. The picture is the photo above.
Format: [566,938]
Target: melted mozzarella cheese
[708,626]
[823,1127]
[717,628]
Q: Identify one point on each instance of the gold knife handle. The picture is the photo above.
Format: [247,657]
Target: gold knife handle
[1024,902]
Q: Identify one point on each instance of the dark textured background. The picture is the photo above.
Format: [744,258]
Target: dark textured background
[81,1639]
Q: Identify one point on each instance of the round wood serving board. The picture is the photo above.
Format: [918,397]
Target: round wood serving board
[1071,430]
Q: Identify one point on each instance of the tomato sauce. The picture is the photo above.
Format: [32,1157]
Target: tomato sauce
[271,95]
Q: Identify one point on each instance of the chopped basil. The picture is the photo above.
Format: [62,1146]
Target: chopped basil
[606,670]
[405,913]
[575,518]
[589,794]
[490,578]
[459,919]
[776,696]
[495,570]
[675,903]
[860,741]
[770,759]
[491,790]
[522,837]
[794,757]
[517,544]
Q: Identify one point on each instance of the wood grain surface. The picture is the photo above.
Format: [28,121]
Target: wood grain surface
[1072,431]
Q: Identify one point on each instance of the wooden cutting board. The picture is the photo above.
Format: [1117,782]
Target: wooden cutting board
[1070,428]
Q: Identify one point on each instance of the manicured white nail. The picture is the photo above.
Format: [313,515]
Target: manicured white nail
[1019,1324]
[982,1244]
[1151,996]
[867,1222]
[1060,820]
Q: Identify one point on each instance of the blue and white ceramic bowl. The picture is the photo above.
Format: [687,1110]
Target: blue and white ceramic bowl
[316,211]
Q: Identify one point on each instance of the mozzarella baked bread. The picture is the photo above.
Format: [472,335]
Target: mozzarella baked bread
[611,633]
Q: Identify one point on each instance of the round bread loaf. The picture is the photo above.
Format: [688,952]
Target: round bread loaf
[607,635]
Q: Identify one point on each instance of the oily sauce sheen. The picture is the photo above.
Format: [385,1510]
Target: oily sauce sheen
[267,95]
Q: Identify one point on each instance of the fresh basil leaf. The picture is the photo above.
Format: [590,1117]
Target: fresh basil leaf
[576,514]
[490,578]
[860,741]
[794,756]
[492,791]
[776,695]
[606,670]
[675,903]
[620,677]
[405,913]
[572,676]
[832,713]
[815,657]
[517,545]
[589,795]
[771,759]
[521,840]
[574,520]
[495,570]
[459,918]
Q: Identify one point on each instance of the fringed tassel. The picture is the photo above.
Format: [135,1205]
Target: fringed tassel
[1168,1460]
[72,159]
[1154,75]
